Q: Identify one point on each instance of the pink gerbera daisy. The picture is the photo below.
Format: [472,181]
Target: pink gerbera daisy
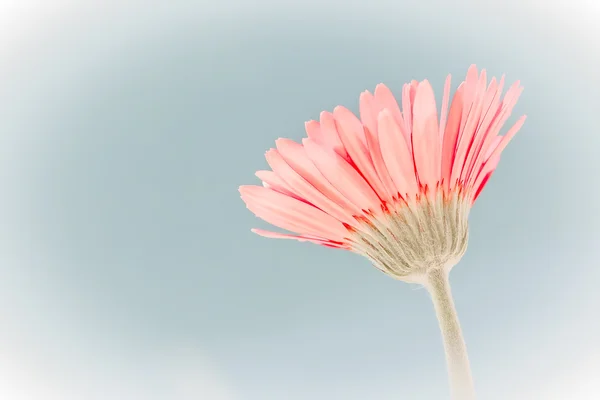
[395,186]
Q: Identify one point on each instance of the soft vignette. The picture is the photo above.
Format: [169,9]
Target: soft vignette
[30,368]
[246,14]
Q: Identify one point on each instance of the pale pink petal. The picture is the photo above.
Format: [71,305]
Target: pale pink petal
[295,156]
[372,106]
[486,117]
[444,112]
[409,91]
[384,98]
[484,175]
[280,220]
[342,176]
[472,120]
[478,168]
[426,139]
[395,153]
[508,103]
[451,134]
[331,135]
[300,238]
[486,130]
[481,186]
[469,94]
[509,135]
[291,214]
[313,129]
[414,84]
[504,111]
[495,142]
[303,188]
[490,103]
[500,118]
[380,167]
[270,179]
[368,111]
[351,130]
[407,113]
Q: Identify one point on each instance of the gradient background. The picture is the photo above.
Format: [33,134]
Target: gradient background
[127,268]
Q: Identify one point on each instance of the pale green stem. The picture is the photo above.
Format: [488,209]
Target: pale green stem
[459,371]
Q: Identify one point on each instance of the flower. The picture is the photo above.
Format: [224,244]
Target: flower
[395,186]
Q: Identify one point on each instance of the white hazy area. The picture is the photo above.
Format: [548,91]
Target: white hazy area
[41,357]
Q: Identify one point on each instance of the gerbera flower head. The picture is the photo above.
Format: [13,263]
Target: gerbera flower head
[396,185]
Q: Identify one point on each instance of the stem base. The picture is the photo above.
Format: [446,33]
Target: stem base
[459,370]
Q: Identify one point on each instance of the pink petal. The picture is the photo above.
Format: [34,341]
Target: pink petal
[384,98]
[380,167]
[413,90]
[331,135]
[495,142]
[368,111]
[396,155]
[407,113]
[479,167]
[491,97]
[468,128]
[469,94]
[426,139]
[484,175]
[342,176]
[313,129]
[300,238]
[451,133]
[295,156]
[444,112]
[270,179]
[481,186]
[351,131]
[501,116]
[291,214]
[509,135]
[486,130]
[304,189]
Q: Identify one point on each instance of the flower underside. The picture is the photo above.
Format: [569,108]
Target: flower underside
[410,239]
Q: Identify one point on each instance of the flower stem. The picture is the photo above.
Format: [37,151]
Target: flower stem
[459,371]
